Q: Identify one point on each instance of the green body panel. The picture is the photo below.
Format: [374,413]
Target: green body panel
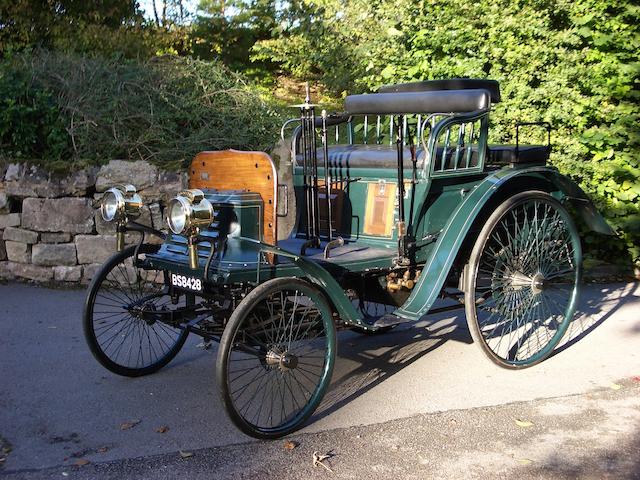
[581,202]
[448,244]
[355,202]
[244,262]
[440,212]
[319,276]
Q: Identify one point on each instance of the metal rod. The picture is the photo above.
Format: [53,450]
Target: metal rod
[305,168]
[404,127]
[470,146]
[378,130]
[314,170]
[401,224]
[120,240]
[459,146]
[327,180]
[192,247]
[446,147]
[366,128]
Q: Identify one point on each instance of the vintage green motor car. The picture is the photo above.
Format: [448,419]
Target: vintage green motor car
[376,213]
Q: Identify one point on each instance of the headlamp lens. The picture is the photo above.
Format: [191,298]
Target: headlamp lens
[110,206]
[177,217]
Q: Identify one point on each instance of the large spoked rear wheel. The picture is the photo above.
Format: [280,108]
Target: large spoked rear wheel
[120,318]
[276,357]
[523,280]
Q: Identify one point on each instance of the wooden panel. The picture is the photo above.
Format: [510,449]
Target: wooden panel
[378,218]
[236,170]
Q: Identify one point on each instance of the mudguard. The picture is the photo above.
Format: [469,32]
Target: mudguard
[318,276]
[452,236]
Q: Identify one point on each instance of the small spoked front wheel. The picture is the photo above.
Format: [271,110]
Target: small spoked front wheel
[523,280]
[123,316]
[276,357]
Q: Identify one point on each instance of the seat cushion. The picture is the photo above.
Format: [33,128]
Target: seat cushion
[501,154]
[385,156]
[365,156]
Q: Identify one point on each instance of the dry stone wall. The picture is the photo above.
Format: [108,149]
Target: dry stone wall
[50,228]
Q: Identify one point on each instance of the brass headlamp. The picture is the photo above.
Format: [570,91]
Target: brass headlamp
[120,204]
[187,213]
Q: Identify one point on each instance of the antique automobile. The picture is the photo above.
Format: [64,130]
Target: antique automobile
[373,215]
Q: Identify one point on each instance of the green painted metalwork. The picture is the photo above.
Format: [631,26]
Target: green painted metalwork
[581,202]
[319,276]
[464,147]
[444,252]
[523,279]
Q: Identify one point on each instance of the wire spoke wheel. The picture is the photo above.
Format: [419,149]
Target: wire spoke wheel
[276,357]
[121,317]
[523,280]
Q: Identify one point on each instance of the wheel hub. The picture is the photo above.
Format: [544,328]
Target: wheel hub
[537,283]
[286,360]
[145,312]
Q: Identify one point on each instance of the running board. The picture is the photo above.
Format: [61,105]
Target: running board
[389,319]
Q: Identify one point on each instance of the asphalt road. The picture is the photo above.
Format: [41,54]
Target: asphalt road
[57,405]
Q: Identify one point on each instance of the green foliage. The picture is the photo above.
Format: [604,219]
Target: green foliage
[96,27]
[217,34]
[71,108]
[572,63]
[30,123]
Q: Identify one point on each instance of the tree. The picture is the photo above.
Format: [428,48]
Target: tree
[98,26]
[228,29]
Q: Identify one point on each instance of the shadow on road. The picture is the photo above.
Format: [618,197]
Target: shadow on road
[594,312]
[375,359]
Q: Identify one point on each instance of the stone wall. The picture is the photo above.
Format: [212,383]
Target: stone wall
[50,228]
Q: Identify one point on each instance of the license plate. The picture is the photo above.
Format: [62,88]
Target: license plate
[184,281]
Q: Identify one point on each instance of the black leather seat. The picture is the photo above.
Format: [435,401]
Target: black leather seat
[366,156]
[503,154]
[385,156]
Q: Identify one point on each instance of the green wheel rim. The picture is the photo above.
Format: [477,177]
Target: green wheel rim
[277,358]
[527,269]
[117,316]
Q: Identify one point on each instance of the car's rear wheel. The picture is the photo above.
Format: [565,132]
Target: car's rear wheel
[523,280]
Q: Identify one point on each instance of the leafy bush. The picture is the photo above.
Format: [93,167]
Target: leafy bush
[30,124]
[62,108]
[572,63]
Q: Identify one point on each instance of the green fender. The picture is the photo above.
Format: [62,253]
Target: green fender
[450,239]
[317,275]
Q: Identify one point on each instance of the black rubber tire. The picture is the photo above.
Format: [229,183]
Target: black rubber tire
[560,327]
[89,328]
[228,342]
